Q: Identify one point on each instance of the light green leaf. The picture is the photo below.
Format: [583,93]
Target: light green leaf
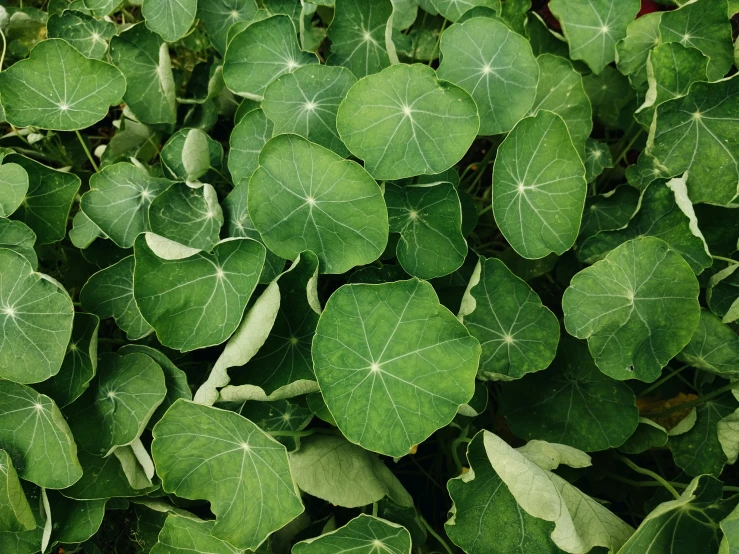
[88,35]
[714,347]
[648,435]
[723,293]
[175,153]
[143,57]
[13,188]
[102,478]
[632,51]
[454,9]
[118,201]
[364,534]
[305,102]
[517,333]
[15,512]
[429,220]
[109,293]
[171,19]
[201,452]
[261,53]
[404,122]
[278,415]
[196,301]
[46,206]
[539,187]
[218,15]
[597,158]
[571,403]
[188,215]
[728,435]
[35,435]
[248,138]
[17,236]
[730,541]
[392,363]
[58,88]
[500,73]
[74,521]
[593,27]
[26,542]
[181,535]
[195,154]
[84,231]
[296,205]
[638,308]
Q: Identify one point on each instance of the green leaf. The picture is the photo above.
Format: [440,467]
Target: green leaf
[181,535]
[610,94]
[58,88]
[171,19]
[36,317]
[26,542]
[363,535]
[500,73]
[74,521]
[80,362]
[642,35]
[205,453]
[196,301]
[15,512]
[17,236]
[698,134]
[486,519]
[643,172]
[648,435]
[88,35]
[517,333]
[102,478]
[35,435]
[593,27]
[305,102]
[597,158]
[404,122]
[638,308]
[344,474]
[279,415]
[109,293]
[84,231]
[14,186]
[195,154]
[539,187]
[46,206]
[143,57]
[454,9]
[723,292]
[118,201]
[97,8]
[714,347]
[691,521]
[296,205]
[248,138]
[261,53]
[571,403]
[429,220]
[218,15]
[728,525]
[177,154]
[390,389]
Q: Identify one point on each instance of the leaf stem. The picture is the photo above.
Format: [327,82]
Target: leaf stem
[635,483]
[727,260]
[434,534]
[662,381]
[436,45]
[374,509]
[87,151]
[648,472]
[5,44]
[698,401]
[291,433]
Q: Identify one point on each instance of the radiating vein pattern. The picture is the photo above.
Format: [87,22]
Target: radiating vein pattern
[362,535]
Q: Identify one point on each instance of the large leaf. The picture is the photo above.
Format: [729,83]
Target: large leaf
[181,535]
[304,197]
[15,512]
[539,187]
[404,122]
[58,88]
[392,363]
[500,73]
[638,308]
[88,35]
[363,535]
[714,347]
[171,19]
[14,186]
[206,453]
[218,15]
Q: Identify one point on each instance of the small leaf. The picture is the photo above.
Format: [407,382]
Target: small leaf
[13,188]
[597,158]
[88,35]
[181,535]
[15,512]
[218,15]
[642,35]
[454,9]
[610,211]
[17,236]
[171,19]
[248,138]
[363,535]
[714,347]
[176,152]
[195,155]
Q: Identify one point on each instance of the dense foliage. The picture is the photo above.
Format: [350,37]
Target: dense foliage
[403,276]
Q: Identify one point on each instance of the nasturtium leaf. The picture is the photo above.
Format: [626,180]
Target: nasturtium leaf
[15,512]
[17,236]
[364,534]
[643,172]
[80,362]
[84,231]
[248,138]
[517,333]
[539,187]
[58,88]
[388,391]
[632,51]
[698,134]
[278,415]
[261,53]
[202,452]
[500,72]
[714,347]
[638,308]
[88,35]
[74,521]
[597,158]
[723,293]
[730,540]
[143,57]
[405,122]
[486,519]
[429,220]
[13,188]
[702,24]
[33,432]
[182,535]
[188,215]
[610,93]
[648,434]
[218,15]
[118,201]
[454,9]
[198,300]
[171,19]
[36,314]
[305,197]
[658,216]
[26,541]
[116,408]
[305,102]
[689,523]
[344,474]
[581,523]
[102,478]
[182,156]
[560,90]
[45,208]
[357,35]
[571,403]
[109,293]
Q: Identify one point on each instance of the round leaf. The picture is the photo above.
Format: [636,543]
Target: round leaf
[13,188]
[171,19]
[218,15]
[88,35]
[363,535]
